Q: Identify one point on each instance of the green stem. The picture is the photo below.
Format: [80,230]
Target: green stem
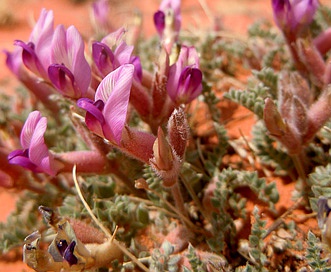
[300,165]
[195,198]
[182,216]
[176,194]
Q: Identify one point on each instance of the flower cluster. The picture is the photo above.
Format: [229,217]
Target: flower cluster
[54,61]
[56,56]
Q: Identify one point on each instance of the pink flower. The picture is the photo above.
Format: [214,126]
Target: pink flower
[100,14]
[69,72]
[14,61]
[185,78]
[36,53]
[166,7]
[112,52]
[35,155]
[107,60]
[293,15]
[56,56]
[106,115]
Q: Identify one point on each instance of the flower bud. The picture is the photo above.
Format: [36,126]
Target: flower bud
[313,61]
[322,41]
[318,114]
[178,131]
[185,78]
[292,16]
[100,16]
[162,152]
[273,120]
[165,161]
[282,131]
[297,120]
[167,21]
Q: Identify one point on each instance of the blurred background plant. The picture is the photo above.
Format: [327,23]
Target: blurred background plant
[144,122]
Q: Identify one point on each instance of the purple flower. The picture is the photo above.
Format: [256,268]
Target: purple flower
[185,78]
[167,7]
[36,53]
[112,52]
[35,155]
[69,72]
[294,15]
[159,21]
[31,59]
[100,14]
[138,70]
[14,61]
[106,115]
[103,58]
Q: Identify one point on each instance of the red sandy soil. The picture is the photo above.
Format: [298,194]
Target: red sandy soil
[236,16]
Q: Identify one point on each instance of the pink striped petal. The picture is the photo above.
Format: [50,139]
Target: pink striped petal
[42,35]
[115,89]
[123,53]
[59,47]
[38,150]
[29,128]
[80,67]
[103,58]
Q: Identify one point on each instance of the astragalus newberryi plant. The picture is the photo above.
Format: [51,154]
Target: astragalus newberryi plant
[122,156]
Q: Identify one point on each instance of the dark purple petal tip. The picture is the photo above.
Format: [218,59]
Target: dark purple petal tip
[103,57]
[60,76]
[159,21]
[92,108]
[68,254]
[20,157]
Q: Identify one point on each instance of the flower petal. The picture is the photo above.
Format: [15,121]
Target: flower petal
[103,58]
[59,47]
[159,21]
[14,61]
[189,84]
[94,118]
[43,29]
[42,35]
[100,13]
[38,151]
[123,53]
[68,254]
[114,38]
[138,70]
[23,161]
[174,5]
[29,128]
[117,86]
[79,65]
[68,50]
[30,58]
[63,80]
